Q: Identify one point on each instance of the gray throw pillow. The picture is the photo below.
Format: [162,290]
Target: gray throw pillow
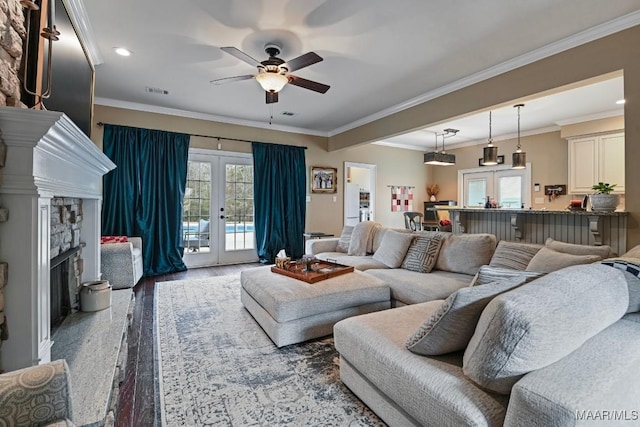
[574,249]
[513,255]
[423,252]
[465,253]
[538,324]
[548,260]
[345,239]
[451,327]
[393,248]
[489,274]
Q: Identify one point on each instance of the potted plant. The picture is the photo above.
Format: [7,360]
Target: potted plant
[603,200]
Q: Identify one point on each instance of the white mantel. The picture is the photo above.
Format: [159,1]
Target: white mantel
[47,155]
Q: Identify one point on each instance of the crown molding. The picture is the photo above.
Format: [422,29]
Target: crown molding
[108,102]
[586,36]
[80,19]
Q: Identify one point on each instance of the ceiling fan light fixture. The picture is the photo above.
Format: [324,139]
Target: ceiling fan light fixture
[272,81]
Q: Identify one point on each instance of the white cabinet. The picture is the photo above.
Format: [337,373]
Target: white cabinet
[596,158]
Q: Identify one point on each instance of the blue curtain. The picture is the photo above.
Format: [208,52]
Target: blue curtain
[279,184]
[144,195]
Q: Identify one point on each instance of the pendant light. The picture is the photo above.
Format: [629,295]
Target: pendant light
[519,158]
[490,152]
[441,158]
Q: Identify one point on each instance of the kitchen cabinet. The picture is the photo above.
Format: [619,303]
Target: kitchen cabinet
[596,158]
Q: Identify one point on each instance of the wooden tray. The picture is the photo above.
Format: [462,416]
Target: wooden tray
[322,270]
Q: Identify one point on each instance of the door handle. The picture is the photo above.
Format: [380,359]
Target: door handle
[221,216]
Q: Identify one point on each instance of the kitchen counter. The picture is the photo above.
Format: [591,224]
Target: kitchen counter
[536,225]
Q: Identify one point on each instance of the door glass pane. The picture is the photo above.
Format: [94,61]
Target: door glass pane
[510,190]
[477,192]
[239,207]
[196,217]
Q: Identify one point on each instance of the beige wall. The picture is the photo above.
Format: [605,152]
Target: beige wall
[610,124]
[547,153]
[619,51]
[394,166]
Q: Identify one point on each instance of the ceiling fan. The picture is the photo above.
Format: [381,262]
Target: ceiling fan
[273,73]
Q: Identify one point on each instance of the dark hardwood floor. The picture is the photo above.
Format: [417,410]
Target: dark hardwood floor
[136,402]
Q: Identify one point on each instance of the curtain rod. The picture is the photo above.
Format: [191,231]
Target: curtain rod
[405,186]
[221,137]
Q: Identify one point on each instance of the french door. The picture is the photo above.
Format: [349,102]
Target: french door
[510,188]
[218,209]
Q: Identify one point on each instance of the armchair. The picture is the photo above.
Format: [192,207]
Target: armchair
[122,263]
[37,396]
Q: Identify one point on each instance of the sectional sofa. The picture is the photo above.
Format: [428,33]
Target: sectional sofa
[537,340]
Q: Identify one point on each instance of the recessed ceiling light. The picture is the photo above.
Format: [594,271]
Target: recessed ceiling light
[122,51]
[620,102]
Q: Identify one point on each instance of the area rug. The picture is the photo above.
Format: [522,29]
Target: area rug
[216,366]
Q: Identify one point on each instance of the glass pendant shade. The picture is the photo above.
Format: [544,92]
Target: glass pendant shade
[272,82]
[490,155]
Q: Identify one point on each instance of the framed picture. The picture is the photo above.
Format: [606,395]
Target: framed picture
[324,179]
[500,161]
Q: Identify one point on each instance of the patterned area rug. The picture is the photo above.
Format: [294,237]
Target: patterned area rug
[216,366]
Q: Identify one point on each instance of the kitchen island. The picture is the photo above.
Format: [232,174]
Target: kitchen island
[536,225]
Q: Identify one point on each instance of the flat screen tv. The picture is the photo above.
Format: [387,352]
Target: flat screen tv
[72,73]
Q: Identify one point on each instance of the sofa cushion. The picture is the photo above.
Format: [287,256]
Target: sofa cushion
[633,252]
[465,253]
[489,274]
[432,391]
[361,263]
[548,260]
[631,270]
[345,239]
[513,255]
[450,327]
[423,252]
[362,238]
[410,287]
[538,324]
[393,248]
[574,249]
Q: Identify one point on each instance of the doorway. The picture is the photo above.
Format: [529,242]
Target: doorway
[217,219]
[359,192]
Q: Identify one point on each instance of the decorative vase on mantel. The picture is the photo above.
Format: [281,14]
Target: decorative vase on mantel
[432,198]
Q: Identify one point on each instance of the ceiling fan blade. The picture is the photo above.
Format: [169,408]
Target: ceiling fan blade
[232,79]
[308,84]
[241,55]
[272,97]
[302,61]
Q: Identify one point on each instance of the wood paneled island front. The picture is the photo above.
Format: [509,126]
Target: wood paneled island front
[535,226]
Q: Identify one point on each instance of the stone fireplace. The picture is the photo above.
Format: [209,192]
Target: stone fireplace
[48,156]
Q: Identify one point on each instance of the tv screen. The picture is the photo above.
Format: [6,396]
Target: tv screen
[72,73]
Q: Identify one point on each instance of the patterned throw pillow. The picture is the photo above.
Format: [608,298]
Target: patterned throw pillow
[489,274]
[451,327]
[114,239]
[513,255]
[423,253]
[630,265]
[345,239]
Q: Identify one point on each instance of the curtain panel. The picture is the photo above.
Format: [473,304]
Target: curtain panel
[279,192]
[144,195]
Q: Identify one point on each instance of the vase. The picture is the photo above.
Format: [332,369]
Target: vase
[432,198]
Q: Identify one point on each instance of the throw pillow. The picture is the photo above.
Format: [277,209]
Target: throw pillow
[573,249]
[345,239]
[538,324]
[393,248]
[465,253]
[451,327]
[488,274]
[548,260]
[513,255]
[423,252]
[114,239]
[632,253]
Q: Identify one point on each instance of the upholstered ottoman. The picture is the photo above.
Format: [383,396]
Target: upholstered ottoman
[291,311]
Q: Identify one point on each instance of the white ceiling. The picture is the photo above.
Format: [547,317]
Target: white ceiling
[379,57]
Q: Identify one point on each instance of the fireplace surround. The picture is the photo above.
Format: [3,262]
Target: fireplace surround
[47,156]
